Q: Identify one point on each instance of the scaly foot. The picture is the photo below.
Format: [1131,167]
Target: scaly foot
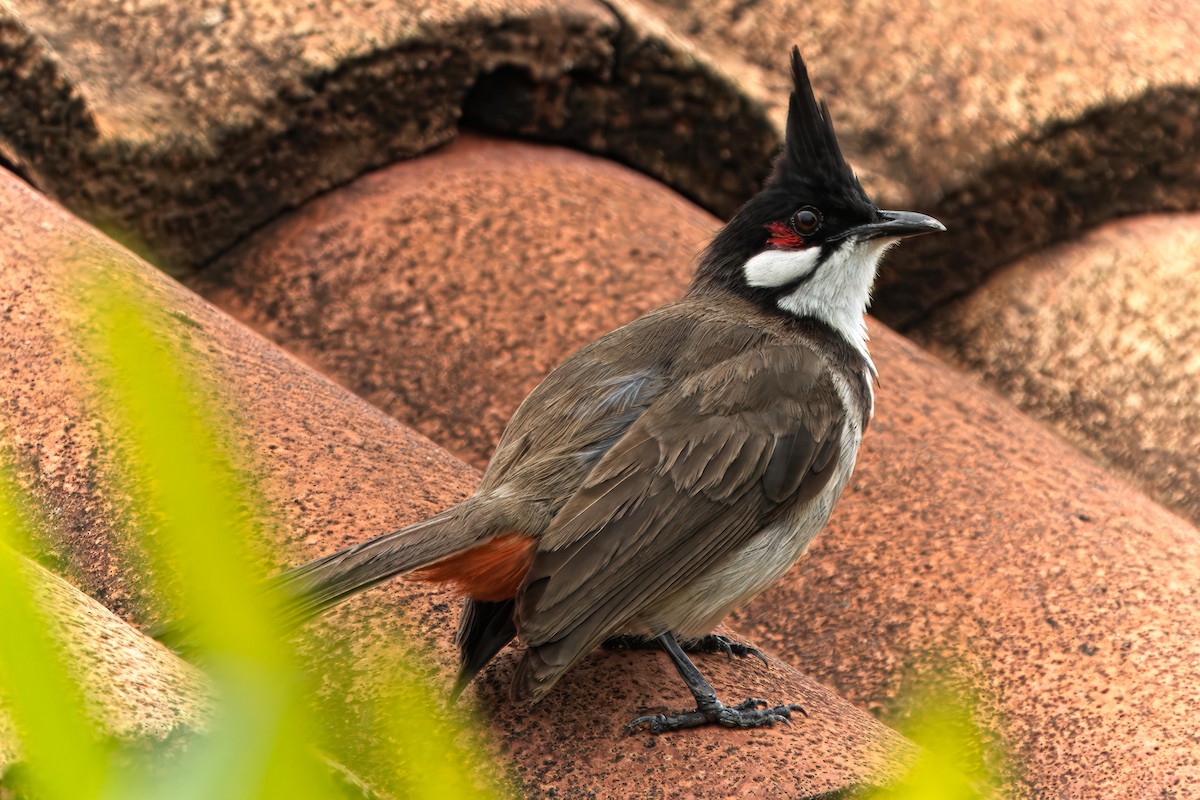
[751,713]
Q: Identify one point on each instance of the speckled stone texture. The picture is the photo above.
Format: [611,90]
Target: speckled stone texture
[135,689]
[1017,124]
[1099,337]
[443,289]
[183,126]
[970,532]
[338,471]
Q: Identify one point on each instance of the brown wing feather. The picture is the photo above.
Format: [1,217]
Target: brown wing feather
[703,470]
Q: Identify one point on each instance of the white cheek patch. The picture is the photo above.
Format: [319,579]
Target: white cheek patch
[780,267]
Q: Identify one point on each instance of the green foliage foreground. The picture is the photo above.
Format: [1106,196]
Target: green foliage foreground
[264,738]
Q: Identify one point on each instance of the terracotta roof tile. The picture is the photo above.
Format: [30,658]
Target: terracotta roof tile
[973,534]
[339,471]
[1098,337]
[442,289]
[136,689]
[970,531]
[995,116]
[206,121]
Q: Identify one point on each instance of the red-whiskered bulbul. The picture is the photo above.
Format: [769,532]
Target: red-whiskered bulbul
[676,467]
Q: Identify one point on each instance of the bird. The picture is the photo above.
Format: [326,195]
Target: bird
[672,469]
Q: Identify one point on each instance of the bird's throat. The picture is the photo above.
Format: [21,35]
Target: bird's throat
[839,292]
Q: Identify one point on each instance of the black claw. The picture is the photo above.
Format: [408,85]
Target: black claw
[751,713]
[716,643]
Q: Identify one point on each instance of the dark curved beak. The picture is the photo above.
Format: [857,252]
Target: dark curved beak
[895,225]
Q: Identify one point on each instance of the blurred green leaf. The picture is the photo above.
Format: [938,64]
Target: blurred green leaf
[430,753]
[187,489]
[39,695]
[952,763]
[195,515]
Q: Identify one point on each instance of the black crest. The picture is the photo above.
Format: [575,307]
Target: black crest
[811,152]
[810,171]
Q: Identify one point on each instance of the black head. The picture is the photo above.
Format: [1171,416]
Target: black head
[812,229]
[811,165]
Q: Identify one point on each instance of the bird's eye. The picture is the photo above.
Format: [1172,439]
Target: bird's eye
[806,221]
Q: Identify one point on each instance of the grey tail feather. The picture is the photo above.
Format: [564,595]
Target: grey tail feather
[317,586]
[309,589]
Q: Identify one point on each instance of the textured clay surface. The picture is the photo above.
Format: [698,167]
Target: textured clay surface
[970,532]
[183,126]
[1016,124]
[338,471]
[1100,338]
[443,289]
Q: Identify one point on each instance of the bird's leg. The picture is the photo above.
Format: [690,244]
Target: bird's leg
[710,643]
[750,713]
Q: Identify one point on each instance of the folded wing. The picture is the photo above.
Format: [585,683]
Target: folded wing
[703,470]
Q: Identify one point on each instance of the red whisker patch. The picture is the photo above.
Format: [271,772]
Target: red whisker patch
[782,235]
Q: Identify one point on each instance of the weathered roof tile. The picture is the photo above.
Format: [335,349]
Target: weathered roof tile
[969,532]
[207,121]
[339,471]
[489,259]
[1099,337]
